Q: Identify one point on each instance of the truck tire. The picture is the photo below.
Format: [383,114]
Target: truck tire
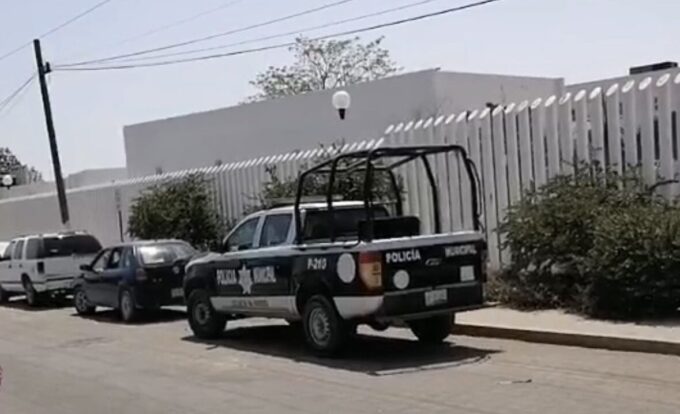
[204,320]
[433,330]
[81,303]
[32,297]
[325,331]
[127,306]
[4,295]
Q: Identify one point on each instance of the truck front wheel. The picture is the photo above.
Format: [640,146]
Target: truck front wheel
[204,320]
[325,330]
[433,330]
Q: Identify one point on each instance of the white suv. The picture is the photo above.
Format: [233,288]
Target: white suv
[44,265]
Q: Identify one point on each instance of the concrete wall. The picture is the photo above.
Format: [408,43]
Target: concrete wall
[621,80]
[76,180]
[275,126]
[304,121]
[457,92]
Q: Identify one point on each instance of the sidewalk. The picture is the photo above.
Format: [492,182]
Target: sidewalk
[557,327]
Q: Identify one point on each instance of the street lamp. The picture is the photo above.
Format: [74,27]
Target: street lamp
[7,181]
[341,102]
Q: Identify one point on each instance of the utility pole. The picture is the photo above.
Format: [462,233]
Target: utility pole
[44,69]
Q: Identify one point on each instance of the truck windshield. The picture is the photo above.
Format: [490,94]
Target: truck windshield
[318,225]
[166,253]
[79,244]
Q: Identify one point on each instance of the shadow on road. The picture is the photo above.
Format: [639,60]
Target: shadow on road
[19,303]
[372,355]
[144,318]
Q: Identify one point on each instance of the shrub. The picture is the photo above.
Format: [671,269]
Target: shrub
[583,243]
[348,186]
[178,209]
[634,265]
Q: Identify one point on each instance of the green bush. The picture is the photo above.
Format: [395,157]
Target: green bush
[179,209]
[634,265]
[348,186]
[583,243]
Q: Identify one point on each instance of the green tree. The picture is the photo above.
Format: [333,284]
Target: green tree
[179,209]
[10,164]
[324,64]
[347,186]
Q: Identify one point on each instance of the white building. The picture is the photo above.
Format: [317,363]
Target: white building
[305,121]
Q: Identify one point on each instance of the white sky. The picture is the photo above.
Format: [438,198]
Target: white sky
[580,40]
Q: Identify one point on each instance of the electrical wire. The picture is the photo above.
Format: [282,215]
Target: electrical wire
[213,36]
[279,35]
[57,28]
[16,93]
[7,108]
[280,45]
[173,24]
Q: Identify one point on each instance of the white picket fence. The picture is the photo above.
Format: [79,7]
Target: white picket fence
[514,148]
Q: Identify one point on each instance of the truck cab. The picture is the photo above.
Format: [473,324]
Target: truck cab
[336,264]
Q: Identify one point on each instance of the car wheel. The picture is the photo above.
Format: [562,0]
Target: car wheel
[4,295]
[433,330]
[82,303]
[127,306]
[32,297]
[325,331]
[204,320]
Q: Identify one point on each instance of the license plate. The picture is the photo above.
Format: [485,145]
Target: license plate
[177,293]
[435,297]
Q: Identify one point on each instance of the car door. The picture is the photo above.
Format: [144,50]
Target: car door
[6,278]
[232,275]
[112,277]
[271,265]
[17,263]
[93,278]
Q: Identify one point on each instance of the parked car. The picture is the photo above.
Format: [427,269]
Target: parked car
[3,248]
[334,265]
[133,276]
[44,265]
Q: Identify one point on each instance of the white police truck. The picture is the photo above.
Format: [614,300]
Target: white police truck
[336,264]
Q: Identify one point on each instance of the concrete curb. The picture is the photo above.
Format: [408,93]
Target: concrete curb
[571,339]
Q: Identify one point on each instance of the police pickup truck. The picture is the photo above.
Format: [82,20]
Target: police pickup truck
[337,264]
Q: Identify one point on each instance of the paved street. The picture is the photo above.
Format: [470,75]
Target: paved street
[55,362]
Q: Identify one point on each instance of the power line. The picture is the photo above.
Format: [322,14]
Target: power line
[213,36]
[281,45]
[75,18]
[173,24]
[279,35]
[7,100]
[56,28]
[7,108]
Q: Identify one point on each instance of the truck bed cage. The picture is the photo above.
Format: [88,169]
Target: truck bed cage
[373,160]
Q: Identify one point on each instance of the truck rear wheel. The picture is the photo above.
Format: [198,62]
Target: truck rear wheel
[433,330]
[32,297]
[204,320]
[4,295]
[325,331]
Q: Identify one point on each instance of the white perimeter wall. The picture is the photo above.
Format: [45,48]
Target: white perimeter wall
[305,121]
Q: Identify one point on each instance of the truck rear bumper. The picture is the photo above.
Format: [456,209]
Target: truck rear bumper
[61,284]
[413,304]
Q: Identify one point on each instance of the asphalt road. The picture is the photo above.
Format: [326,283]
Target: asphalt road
[56,362]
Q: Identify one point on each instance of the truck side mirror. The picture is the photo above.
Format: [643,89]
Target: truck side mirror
[86,267]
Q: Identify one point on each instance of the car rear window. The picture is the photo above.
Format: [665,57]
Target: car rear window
[166,253]
[317,223]
[78,244]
